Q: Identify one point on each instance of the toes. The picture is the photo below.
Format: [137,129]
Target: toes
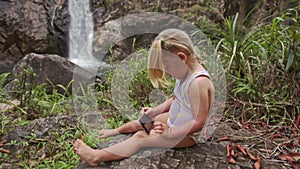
[77,143]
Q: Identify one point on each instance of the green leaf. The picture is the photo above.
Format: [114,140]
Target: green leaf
[3,78]
[290,60]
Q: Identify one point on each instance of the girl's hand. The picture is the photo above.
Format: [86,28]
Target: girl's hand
[160,127]
[145,109]
[153,133]
[148,111]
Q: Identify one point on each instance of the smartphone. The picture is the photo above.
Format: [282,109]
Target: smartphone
[146,123]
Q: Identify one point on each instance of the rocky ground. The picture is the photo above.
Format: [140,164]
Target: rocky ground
[232,147]
[235,145]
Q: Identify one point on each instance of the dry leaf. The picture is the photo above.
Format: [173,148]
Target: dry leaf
[291,161]
[277,135]
[241,149]
[291,158]
[4,151]
[257,163]
[251,156]
[2,142]
[252,128]
[294,156]
[231,160]
[228,150]
[232,152]
[224,139]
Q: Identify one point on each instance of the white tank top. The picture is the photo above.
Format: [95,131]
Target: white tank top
[180,111]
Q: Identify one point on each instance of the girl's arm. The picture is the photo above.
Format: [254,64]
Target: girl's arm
[164,107]
[201,95]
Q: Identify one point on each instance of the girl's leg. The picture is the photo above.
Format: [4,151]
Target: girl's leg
[130,127]
[162,117]
[128,147]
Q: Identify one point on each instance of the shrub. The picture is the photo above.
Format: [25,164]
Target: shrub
[262,65]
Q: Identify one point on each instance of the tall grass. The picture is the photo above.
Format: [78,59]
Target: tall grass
[262,64]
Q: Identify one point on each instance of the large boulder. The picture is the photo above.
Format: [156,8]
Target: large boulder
[37,69]
[32,26]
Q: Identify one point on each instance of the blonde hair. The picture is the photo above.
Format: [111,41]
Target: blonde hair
[170,40]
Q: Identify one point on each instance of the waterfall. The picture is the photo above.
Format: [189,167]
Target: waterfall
[81,35]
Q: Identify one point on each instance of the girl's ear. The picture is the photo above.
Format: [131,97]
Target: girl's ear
[182,56]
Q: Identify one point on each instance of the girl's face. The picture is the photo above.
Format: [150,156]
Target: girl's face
[174,65]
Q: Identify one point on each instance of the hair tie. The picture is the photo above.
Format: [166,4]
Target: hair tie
[162,41]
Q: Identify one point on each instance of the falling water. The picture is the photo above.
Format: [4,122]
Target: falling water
[81,34]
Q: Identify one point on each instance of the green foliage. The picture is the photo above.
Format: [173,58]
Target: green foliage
[262,64]
[109,3]
[4,121]
[3,95]
[54,152]
[36,101]
[39,100]
[3,79]
[44,103]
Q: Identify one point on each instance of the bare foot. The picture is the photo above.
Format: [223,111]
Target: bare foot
[104,133]
[85,152]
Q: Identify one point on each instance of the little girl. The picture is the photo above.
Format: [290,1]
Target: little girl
[179,120]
